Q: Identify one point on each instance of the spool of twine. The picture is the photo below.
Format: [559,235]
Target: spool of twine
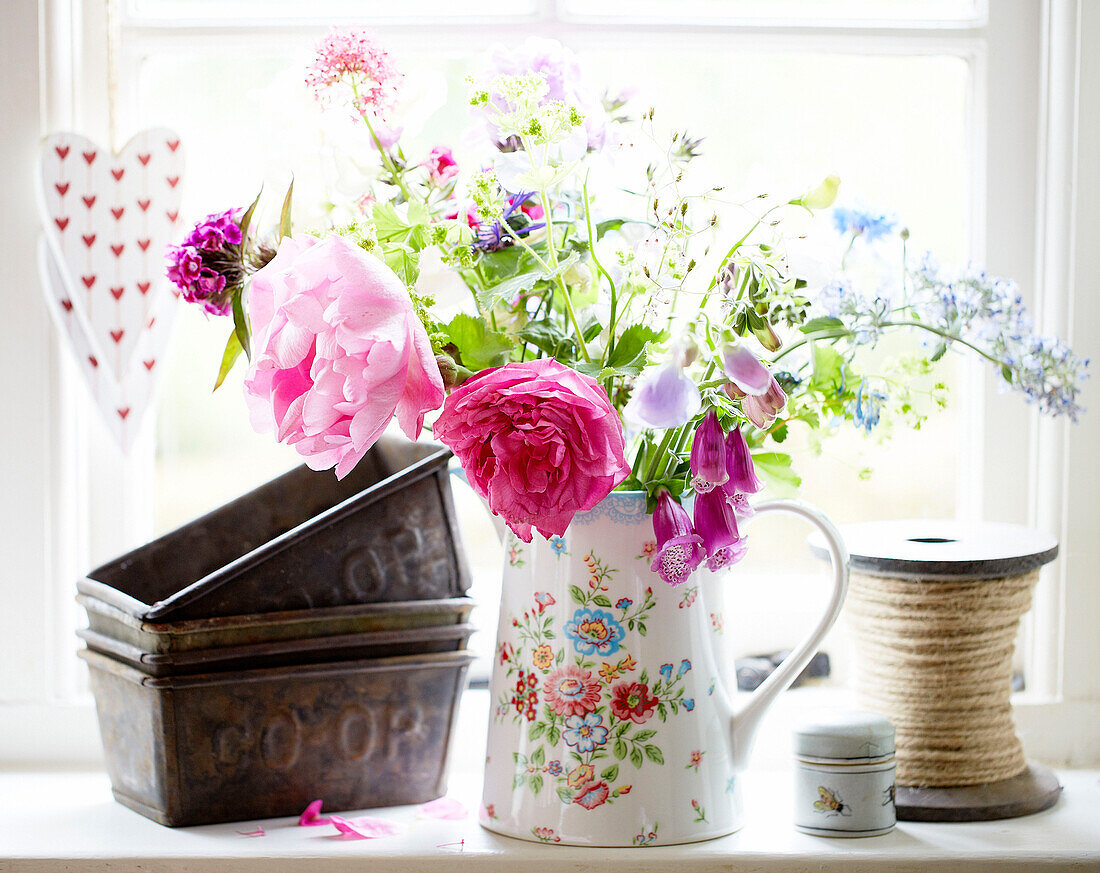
[936,658]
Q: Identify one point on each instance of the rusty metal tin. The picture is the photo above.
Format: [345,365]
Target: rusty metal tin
[264,743]
[186,636]
[306,540]
[283,653]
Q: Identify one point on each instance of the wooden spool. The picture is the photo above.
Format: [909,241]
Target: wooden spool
[928,551]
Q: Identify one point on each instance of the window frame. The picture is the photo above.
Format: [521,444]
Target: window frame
[82,502]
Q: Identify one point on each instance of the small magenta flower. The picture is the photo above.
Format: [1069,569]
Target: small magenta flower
[679,549]
[741,475]
[716,523]
[708,455]
[744,369]
[663,397]
[441,165]
[762,409]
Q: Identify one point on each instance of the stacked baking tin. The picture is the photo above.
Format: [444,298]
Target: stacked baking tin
[307,640]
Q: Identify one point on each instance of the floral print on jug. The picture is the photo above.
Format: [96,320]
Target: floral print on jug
[589,707]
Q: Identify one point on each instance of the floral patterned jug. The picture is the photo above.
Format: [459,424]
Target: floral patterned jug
[611,724]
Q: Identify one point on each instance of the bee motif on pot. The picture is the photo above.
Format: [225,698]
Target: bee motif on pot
[830,804]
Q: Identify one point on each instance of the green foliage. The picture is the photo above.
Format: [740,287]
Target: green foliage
[775,468]
[478,345]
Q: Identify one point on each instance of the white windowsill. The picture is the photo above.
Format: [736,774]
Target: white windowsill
[68,821]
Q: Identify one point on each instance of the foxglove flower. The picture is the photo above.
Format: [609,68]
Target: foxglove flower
[716,524]
[708,455]
[762,409]
[679,549]
[741,475]
[663,397]
[744,369]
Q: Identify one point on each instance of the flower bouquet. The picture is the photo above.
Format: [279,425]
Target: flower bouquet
[662,342]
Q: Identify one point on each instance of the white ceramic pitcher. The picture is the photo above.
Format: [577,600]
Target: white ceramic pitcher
[611,724]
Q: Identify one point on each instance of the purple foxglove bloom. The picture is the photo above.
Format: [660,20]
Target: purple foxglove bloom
[762,410]
[744,369]
[679,549]
[663,397]
[741,506]
[708,455]
[741,474]
[716,523]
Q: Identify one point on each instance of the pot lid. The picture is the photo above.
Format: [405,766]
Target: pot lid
[844,734]
[942,548]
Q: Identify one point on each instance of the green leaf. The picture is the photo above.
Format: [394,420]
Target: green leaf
[605,227]
[632,343]
[619,749]
[642,736]
[504,291]
[828,364]
[536,783]
[553,735]
[403,261]
[636,757]
[240,324]
[610,773]
[776,469]
[601,600]
[539,756]
[478,345]
[824,322]
[284,214]
[229,358]
[536,731]
[387,223]
[654,754]
[577,595]
[565,794]
[519,759]
[246,219]
[518,780]
[544,335]
[644,678]
[641,629]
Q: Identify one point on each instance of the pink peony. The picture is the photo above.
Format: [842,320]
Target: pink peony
[538,440]
[337,352]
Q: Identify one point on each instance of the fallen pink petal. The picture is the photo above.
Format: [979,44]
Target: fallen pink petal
[364,828]
[445,808]
[311,816]
[259,832]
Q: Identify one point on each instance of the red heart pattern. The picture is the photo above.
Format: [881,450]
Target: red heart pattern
[94,255]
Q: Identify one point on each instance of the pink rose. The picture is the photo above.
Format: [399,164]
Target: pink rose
[337,352]
[538,440]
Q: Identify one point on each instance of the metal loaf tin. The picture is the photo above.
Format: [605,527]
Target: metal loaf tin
[305,540]
[263,743]
[284,653]
[189,636]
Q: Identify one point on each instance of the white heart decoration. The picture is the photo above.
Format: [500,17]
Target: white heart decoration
[122,403]
[107,218]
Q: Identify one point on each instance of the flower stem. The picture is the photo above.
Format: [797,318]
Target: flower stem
[386,159]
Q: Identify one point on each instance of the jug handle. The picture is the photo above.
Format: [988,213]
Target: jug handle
[747,719]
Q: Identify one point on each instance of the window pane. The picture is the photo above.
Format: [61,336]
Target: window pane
[319,11]
[790,12]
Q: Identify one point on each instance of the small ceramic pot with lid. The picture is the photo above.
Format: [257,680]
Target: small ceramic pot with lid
[844,775]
